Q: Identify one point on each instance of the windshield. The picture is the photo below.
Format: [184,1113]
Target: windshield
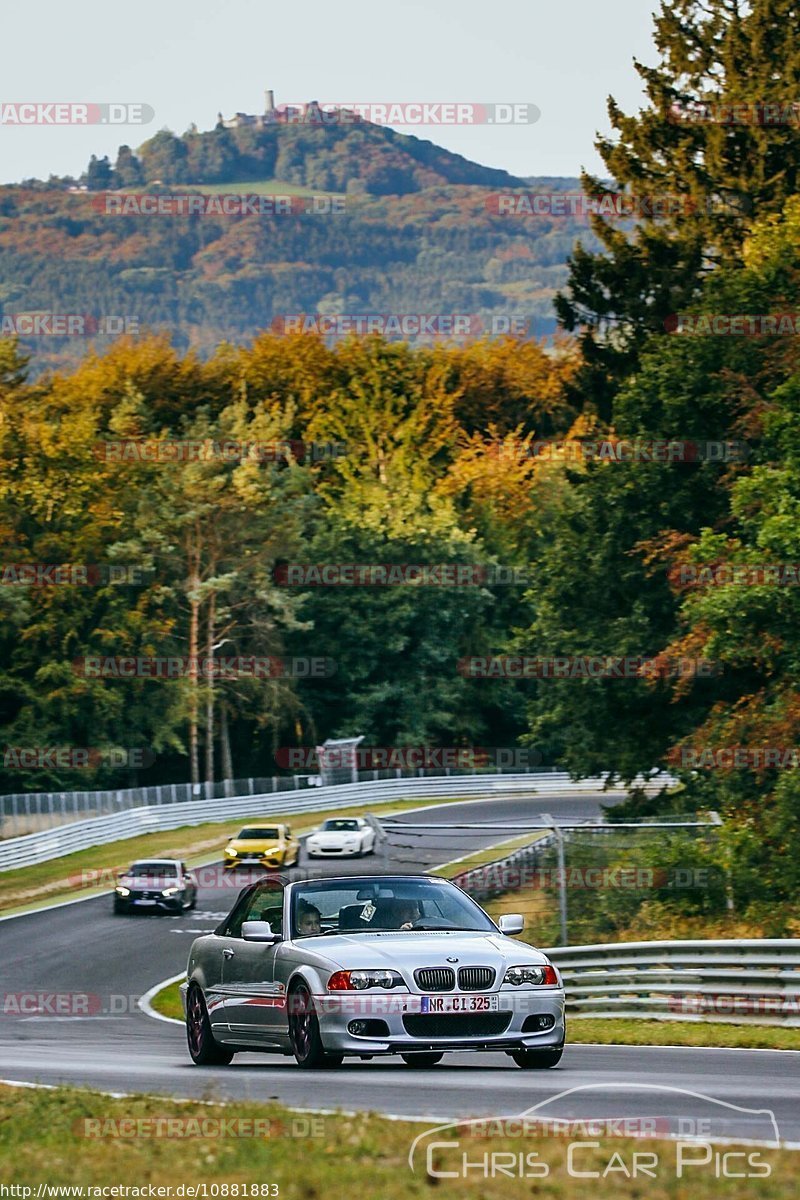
[338,826]
[377,905]
[153,868]
[251,834]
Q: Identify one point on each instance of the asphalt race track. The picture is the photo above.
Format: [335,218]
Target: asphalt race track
[89,968]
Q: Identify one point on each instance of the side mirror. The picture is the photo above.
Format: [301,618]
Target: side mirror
[511,923]
[259,931]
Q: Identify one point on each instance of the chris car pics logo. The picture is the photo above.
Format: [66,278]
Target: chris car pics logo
[622,1131]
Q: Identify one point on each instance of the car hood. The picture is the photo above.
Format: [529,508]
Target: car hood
[412,950]
[254,845]
[329,836]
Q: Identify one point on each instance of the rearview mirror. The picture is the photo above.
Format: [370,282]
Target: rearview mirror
[259,931]
[511,923]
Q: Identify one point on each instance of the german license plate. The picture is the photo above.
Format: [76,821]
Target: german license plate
[467,1004]
[152,902]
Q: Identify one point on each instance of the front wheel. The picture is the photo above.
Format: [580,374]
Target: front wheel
[120,907]
[304,1032]
[421,1060]
[538,1059]
[203,1046]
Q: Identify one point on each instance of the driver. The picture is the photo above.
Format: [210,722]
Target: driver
[407,913]
[308,919]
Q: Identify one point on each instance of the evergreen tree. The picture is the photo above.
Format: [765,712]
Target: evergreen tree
[690,151]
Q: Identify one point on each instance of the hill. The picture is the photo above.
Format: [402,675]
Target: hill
[391,224]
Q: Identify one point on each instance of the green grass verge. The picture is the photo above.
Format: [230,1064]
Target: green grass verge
[168,1001]
[490,854]
[66,1137]
[618,1032]
[77,874]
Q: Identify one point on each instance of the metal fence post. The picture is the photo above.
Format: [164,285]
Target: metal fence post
[562,879]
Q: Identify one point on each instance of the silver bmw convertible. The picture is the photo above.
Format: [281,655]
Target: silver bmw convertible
[369,965]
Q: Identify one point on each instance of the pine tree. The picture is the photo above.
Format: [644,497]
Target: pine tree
[713,166]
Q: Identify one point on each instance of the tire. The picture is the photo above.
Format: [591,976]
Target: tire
[120,907]
[304,1032]
[194,901]
[537,1060]
[422,1059]
[205,1051]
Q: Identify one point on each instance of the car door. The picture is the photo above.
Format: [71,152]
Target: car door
[253,1003]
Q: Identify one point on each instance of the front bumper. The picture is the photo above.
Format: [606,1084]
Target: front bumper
[148,900]
[268,861]
[332,852]
[464,1031]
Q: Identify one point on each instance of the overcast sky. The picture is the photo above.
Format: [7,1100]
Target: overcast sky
[190,58]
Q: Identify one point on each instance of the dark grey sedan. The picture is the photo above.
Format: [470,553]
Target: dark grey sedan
[164,884]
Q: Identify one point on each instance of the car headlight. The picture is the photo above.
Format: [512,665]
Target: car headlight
[231,853]
[123,891]
[541,976]
[357,981]
[171,891]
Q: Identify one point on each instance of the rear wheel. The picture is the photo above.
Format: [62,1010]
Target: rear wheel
[203,1047]
[422,1060]
[304,1032]
[538,1059]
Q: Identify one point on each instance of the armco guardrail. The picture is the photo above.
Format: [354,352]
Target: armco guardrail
[33,812]
[755,981]
[80,835]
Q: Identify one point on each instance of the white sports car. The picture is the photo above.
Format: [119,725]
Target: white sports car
[341,837]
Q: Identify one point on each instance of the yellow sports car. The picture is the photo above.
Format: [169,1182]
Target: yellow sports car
[269,845]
